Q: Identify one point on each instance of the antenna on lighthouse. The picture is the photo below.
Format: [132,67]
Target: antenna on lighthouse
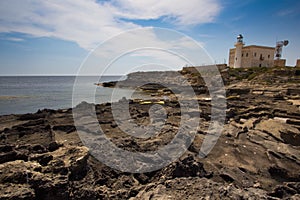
[240,38]
[278,49]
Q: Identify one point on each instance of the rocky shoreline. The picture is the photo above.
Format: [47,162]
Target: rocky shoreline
[256,157]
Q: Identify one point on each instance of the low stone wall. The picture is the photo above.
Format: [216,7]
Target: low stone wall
[279,63]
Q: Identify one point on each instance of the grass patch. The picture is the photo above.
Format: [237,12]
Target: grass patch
[247,73]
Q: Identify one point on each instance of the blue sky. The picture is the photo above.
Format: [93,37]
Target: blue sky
[54,37]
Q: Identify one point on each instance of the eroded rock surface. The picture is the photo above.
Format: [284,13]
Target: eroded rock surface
[256,157]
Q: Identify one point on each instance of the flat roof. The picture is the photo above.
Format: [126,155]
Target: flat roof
[255,46]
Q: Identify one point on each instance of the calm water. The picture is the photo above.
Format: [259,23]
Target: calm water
[26,94]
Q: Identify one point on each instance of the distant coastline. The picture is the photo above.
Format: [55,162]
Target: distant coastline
[28,94]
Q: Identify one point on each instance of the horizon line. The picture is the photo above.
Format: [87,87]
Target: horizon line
[2,75]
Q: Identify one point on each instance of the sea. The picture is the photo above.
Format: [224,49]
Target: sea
[28,94]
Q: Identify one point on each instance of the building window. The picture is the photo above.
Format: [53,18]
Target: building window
[254,54]
[269,56]
[242,55]
[246,54]
[261,57]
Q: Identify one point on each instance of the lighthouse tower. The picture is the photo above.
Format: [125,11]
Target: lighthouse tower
[238,51]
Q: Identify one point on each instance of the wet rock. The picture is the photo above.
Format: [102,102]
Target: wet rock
[64,128]
[53,146]
[288,189]
[42,159]
[226,177]
[34,116]
[293,91]
[109,84]
[114,125]
[187,166]
[291,137]
[38,149]
[14,154]
[282,174]
[6,148]
[8,156]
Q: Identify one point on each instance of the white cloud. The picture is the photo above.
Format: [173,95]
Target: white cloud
[88,22]
[15,39]
[286,12]
[179,12]
[139,47]
[84,22]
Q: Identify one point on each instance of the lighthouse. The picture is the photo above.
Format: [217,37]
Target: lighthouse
[238,51]
[252,55]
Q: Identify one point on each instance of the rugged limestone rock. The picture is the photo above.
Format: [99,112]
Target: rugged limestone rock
[197,188]
[257,155]
[44,176]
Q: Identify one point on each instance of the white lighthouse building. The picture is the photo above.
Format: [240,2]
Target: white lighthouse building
[238,52]
[252,56]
